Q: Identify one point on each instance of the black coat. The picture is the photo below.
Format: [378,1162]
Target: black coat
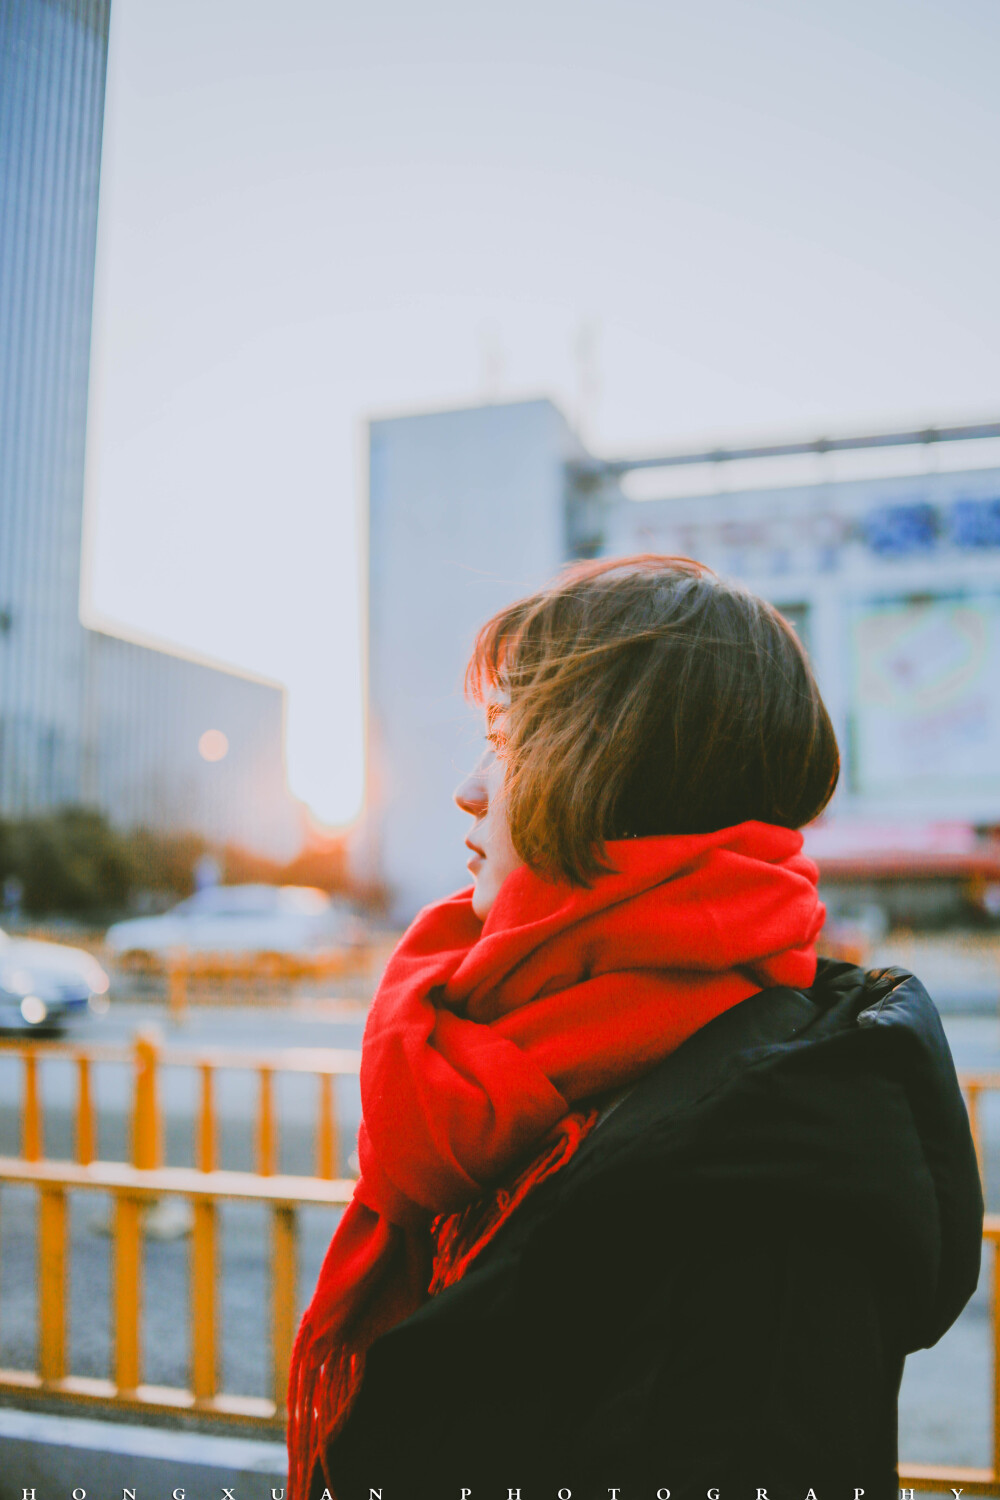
[719,1289]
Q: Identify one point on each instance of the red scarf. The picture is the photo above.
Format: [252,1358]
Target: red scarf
[482,1035]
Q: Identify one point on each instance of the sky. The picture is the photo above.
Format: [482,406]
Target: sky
[723,220]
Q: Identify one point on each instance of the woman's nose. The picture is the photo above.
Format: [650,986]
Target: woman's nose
[471,794]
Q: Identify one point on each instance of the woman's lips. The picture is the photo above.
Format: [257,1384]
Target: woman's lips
[474,863]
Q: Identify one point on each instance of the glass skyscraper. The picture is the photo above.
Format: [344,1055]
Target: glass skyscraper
[86,717]
[53,60]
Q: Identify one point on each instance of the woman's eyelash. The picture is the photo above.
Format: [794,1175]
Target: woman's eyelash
[494,733]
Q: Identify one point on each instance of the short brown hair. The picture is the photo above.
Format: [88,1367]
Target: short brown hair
[649,696]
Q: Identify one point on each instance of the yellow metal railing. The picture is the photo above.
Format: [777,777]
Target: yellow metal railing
[974,1085]
[239,978]
[147,1059]
[131,1188]
[946,1476]
[142,1182]
[145,1180]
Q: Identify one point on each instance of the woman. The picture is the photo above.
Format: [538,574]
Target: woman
[649,1202]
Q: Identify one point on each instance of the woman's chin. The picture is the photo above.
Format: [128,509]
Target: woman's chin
[482,900]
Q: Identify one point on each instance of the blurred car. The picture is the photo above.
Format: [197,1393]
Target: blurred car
[241,919]
[42,985]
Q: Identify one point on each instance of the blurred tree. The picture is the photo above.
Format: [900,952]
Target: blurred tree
[69,861]
[162,864]
[74,863]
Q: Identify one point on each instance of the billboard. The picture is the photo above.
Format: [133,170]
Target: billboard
[925,697]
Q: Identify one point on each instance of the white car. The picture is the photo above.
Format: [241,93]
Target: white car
[43,984]
[241,919]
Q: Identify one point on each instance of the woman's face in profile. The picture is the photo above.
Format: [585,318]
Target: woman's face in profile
[492,855]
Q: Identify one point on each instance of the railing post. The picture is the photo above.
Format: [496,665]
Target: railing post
[995,1320]
[203,1272]
[52,1283]
[206,1120]
[267,1129]
[31,1110]
[177,978]
[284,1276]
[327,1143]
[147,1133]
[86,1141]
[127,1291]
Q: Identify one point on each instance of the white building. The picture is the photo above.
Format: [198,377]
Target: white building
[466,511]
[893,581]
[894,585]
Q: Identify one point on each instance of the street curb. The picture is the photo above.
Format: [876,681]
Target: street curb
[57,1455]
